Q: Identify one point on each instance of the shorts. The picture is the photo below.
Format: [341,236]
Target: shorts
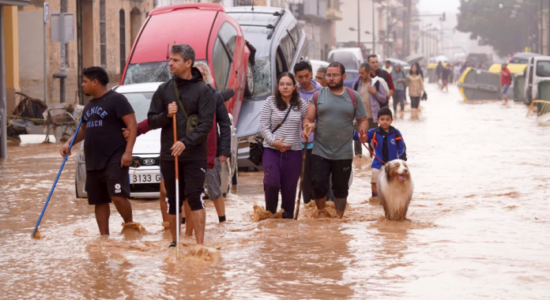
[112,181]
[322,169]
[505,89]
[214,181]
[191,183]
[374,177]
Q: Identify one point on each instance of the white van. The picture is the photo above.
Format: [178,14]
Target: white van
[538,69]
[316,64]
[351,58]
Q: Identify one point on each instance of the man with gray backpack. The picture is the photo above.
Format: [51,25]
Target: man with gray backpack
[334,107]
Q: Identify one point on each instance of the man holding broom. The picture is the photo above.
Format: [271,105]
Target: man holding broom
[108,154]
[187,98]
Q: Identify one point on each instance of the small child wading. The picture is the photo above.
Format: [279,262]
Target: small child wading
[387,142]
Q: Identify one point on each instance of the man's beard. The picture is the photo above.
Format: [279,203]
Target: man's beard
[337,86]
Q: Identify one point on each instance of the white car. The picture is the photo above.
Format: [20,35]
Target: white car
[145,171]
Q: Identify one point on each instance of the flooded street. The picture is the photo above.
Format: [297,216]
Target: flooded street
[479,226]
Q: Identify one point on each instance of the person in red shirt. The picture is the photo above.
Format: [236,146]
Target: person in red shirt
[505,80]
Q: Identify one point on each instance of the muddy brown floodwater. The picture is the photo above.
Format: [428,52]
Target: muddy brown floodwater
[479,227]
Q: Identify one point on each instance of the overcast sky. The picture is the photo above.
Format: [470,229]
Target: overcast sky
[437,6]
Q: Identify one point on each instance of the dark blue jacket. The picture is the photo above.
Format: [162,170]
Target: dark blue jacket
[394,149]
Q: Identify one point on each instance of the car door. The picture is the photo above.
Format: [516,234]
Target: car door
[226,62]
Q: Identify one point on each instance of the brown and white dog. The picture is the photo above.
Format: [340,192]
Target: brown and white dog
[395,189]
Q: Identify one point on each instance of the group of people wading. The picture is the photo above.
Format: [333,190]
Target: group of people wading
[317,116]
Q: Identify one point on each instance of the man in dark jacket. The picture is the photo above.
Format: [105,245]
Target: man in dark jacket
[185,90]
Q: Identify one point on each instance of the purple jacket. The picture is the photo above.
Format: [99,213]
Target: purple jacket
[375,100]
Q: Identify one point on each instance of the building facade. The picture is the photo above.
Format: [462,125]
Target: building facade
[104,31]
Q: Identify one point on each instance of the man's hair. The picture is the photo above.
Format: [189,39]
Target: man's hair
[302,65]
[365,66]
[322,70]
[96,73]
[206,69]
[385,111]
[186,51]
[337,65]
[371,56]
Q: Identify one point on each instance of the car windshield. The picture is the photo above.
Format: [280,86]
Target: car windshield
[352,75]
[149,72]
[543,68]
[519,60]
[262,76]
[346,58]
[140,103]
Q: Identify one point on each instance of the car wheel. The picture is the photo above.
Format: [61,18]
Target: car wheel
[249,89]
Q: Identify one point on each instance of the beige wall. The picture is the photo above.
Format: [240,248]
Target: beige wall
[31,50]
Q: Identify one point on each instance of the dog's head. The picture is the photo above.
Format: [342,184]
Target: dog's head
[397,170]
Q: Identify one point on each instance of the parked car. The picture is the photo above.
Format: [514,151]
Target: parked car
[279,42]
[217,39]
[351,58]
[145,171]
[351,77]
[522,58]
[538,69]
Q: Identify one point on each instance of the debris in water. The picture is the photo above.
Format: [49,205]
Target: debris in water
[134,225]
[38,235]
[261,214]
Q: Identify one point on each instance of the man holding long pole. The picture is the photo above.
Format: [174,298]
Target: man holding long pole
[188,99]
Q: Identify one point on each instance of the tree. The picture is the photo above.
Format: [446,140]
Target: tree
[490,22]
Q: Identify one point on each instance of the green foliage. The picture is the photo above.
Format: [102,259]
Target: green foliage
[493,26]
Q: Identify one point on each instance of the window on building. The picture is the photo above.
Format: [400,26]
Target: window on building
[64,9]
[102,33]
[222,64]
[122,26]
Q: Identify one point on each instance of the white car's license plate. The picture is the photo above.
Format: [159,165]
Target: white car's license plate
[144,178]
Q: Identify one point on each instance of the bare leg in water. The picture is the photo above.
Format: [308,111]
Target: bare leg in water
[188,219]
[340,205]
[321,203]
[219,204]
[199,224]
[163,204]
[103,212]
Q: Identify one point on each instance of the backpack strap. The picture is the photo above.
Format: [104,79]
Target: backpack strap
[316,97]
[353,99]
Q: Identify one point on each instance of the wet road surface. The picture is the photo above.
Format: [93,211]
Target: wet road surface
[479,227]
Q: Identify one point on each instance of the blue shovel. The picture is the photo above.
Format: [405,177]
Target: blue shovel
[55,182]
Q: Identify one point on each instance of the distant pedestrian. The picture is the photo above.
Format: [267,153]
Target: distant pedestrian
[505,80]
[376,71]
[334,109]
[399,80]
[320,76]
[439,71]
[108,154]
[388,67]
[308,87]
[280,122]
[445,77]
[416,86]
[372,94]
[457,72]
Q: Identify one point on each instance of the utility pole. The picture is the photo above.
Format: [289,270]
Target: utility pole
[373,31]
[359,25]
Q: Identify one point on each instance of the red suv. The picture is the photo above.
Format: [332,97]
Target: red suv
[216,37]
[218,41]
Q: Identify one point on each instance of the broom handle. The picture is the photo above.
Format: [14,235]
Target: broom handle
[56,179]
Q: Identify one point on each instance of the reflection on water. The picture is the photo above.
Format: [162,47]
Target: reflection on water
[478,227]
